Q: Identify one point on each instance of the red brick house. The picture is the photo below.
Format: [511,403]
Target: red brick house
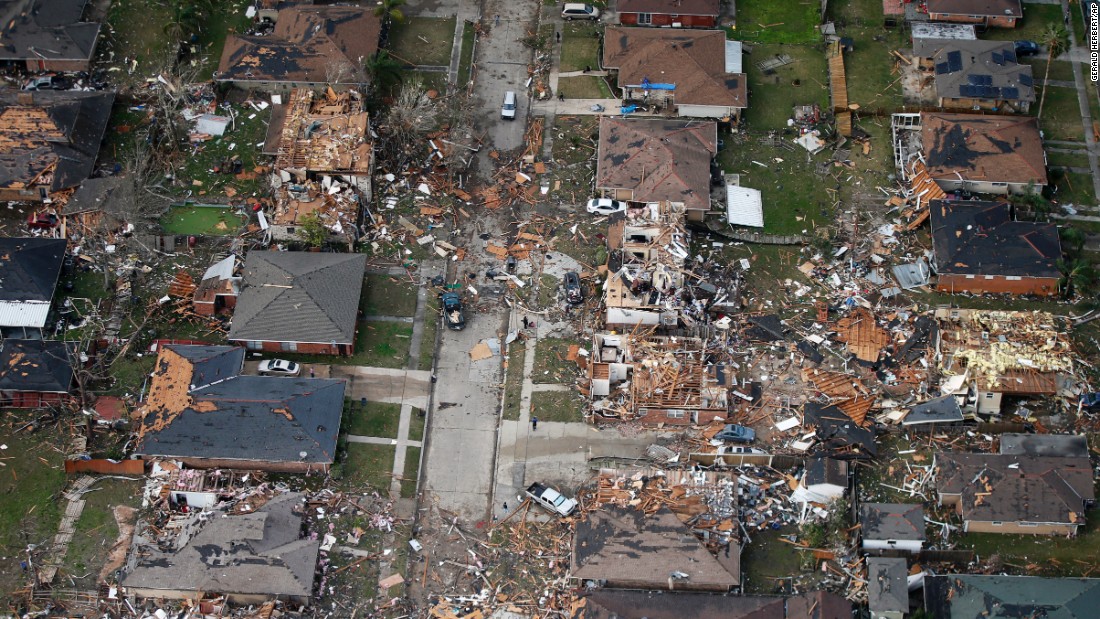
[675,13]
[992,13]
[299,302]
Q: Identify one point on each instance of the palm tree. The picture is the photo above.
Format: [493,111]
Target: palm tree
[1076,274]
[383,70]
[389,11]
[1056,39]
[1073,240]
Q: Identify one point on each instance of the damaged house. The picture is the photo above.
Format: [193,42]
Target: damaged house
[250,558]
[1018,494]
[691,73]
[984,154]
[610,604]
[985,355]
[323,162]
[657,160]
[299,302]
[310,47]
[648,250]
[219,288]
[674,13]
[976,74]
[979,247]
[992,13]
[47,35]
[892,526]
[201,411]
[29,270]
[35,373]
[656,380]
[49,140]
[967,596]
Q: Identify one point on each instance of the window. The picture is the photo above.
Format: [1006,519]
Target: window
[254,346]
[1013,278]
[989,396]
[969,277]
[999,184]
[645,18]
[675,414]
[1028,524]
[996,523]
[290,230]
[288,346]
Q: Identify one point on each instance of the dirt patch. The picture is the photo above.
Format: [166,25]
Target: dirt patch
[125,517]
[918,87]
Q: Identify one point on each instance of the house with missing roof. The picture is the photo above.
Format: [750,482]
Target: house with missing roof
[657,160]
[49,140]
[250,558]
[892,526]
[47,35]
[218,290]
[35,373]
[1018,494]
[29,270]
[613,604]
[299,302]
[647,249]
[691,73]
[984,154]
[201,411]
[977,74]
[666,13]
[969,596]
[991,13]
[979,247]
[310,47]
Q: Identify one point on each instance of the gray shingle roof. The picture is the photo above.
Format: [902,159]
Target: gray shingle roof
[36,366]
[46,29]
[977,69]
[29,268]
[972,596]
[885,521]
[887,589]
[299,297]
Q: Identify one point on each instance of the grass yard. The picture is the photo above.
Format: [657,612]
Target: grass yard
[378,344]
[31,480]
[1061,118]
[869,67]
[768,560]
[130,372]
[584,87]
[548,291]
[378,419]
[135,31]
[773,97]
[368,466]
[580,46]
[551,365]
[1073,160]
[432,80]
[466,58]
[514,382]
[1036,18]
[1073,188]
[201,220]
[769,265]
[1059,69]
[561,406]
[416,425]
[97,530]
[1049,556]
[388,296]
[411,472]
[794,195]
[769,21]
[427,338]
[227,18]
[423,41]
[239,142]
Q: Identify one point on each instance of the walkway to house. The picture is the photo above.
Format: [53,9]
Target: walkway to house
[1074,55]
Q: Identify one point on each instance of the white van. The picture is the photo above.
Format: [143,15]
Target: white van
[508,110]
[576,10]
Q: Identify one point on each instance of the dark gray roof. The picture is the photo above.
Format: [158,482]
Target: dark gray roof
[29,268]
[80,117]
[826,471]
[977,69]
[610,604]
[938,410]
[837,431]
[970,596]
[36,366]
[976,237]
[46,30]
[887,585]
[1060,445]
[886,521]
[259,553]
[299,297]
[211,364]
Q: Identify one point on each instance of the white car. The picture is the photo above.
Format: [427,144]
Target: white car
[605,206]
[577,10]
[728,450]
[279,367]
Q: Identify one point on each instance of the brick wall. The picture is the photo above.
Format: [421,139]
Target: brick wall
[995,21]
[658,19]
[1042,286]
[1015,528]
[299,347]
[32,399]
[65,66]
[250,465]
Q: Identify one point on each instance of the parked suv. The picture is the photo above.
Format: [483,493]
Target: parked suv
[577,10]
[508,109]
[574,292]
[453,314]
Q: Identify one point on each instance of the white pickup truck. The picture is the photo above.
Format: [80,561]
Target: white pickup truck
[551,499]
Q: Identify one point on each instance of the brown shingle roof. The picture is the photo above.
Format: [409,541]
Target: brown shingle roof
[694,60]
[658,159]
[306,42]
[992,8]
[1005,149]
[670,7]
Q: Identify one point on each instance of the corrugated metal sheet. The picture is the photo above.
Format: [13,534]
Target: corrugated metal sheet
[733,57]
[23,313]
[744,206]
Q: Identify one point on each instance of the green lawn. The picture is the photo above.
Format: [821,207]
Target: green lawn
[227,18]
[388,296]
[412,470]
[771,21]
[31,480]
[368,467]
[201,220]
[1036,18]
[584,87]
[96,529]
[467,54]
[1073,188]
[1061,118]
[794,195]
[378,419]
[129,373]
[550,363]
[416,425]
[238,142]
[868,68]
[432,80]
[427,338]
[564,406]
[423,40]
[135,31]
[580,46]
[773,97]
[378,344]
[514,382]
[767,560]
[1052,556]
[1074,160]
[1059,69]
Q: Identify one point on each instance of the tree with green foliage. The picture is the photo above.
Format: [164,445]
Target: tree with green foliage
[1056,39]
[384,72]
[1073,240]
[1077,276]
[312,230]
[187,20]
[389,11]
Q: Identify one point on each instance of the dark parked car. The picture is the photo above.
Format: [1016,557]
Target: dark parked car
[453,313]
[574,293]
[1027,48]
[736,434]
